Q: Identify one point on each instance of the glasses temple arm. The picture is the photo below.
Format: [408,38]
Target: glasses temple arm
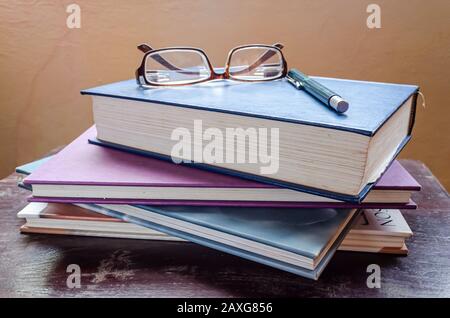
[144,47]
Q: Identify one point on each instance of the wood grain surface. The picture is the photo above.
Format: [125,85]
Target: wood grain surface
[34,265]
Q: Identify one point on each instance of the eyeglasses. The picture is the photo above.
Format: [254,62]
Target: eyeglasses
[186,66]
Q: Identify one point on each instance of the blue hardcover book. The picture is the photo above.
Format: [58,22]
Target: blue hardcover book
[268,132]
[299,241]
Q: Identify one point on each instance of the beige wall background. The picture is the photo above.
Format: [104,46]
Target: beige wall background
[44,64]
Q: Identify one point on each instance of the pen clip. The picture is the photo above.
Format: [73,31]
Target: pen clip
[294,82]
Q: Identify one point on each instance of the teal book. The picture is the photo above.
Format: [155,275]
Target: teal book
[295,141]
[299,241]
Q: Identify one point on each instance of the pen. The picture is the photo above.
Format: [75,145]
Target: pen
[325,95]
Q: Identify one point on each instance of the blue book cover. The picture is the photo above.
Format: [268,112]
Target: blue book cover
[280,234]
[372,104]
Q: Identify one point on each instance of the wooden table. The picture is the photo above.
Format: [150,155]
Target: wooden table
[35,264]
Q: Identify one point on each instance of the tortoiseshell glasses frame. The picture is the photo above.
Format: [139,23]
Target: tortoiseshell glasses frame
[248,69]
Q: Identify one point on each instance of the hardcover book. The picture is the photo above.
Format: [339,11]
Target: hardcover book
[300,241]
[379,232]
[85,173]
[308,147]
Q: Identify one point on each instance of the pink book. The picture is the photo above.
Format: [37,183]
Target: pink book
[87,173]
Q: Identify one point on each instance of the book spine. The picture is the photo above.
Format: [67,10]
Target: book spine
[412,118]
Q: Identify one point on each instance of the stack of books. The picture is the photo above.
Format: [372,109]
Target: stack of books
[258,170]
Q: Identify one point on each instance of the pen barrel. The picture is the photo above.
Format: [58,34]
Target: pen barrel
[313,87]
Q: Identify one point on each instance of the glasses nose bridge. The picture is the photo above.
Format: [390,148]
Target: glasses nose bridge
[214,73]
[221,75]
[224,73]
